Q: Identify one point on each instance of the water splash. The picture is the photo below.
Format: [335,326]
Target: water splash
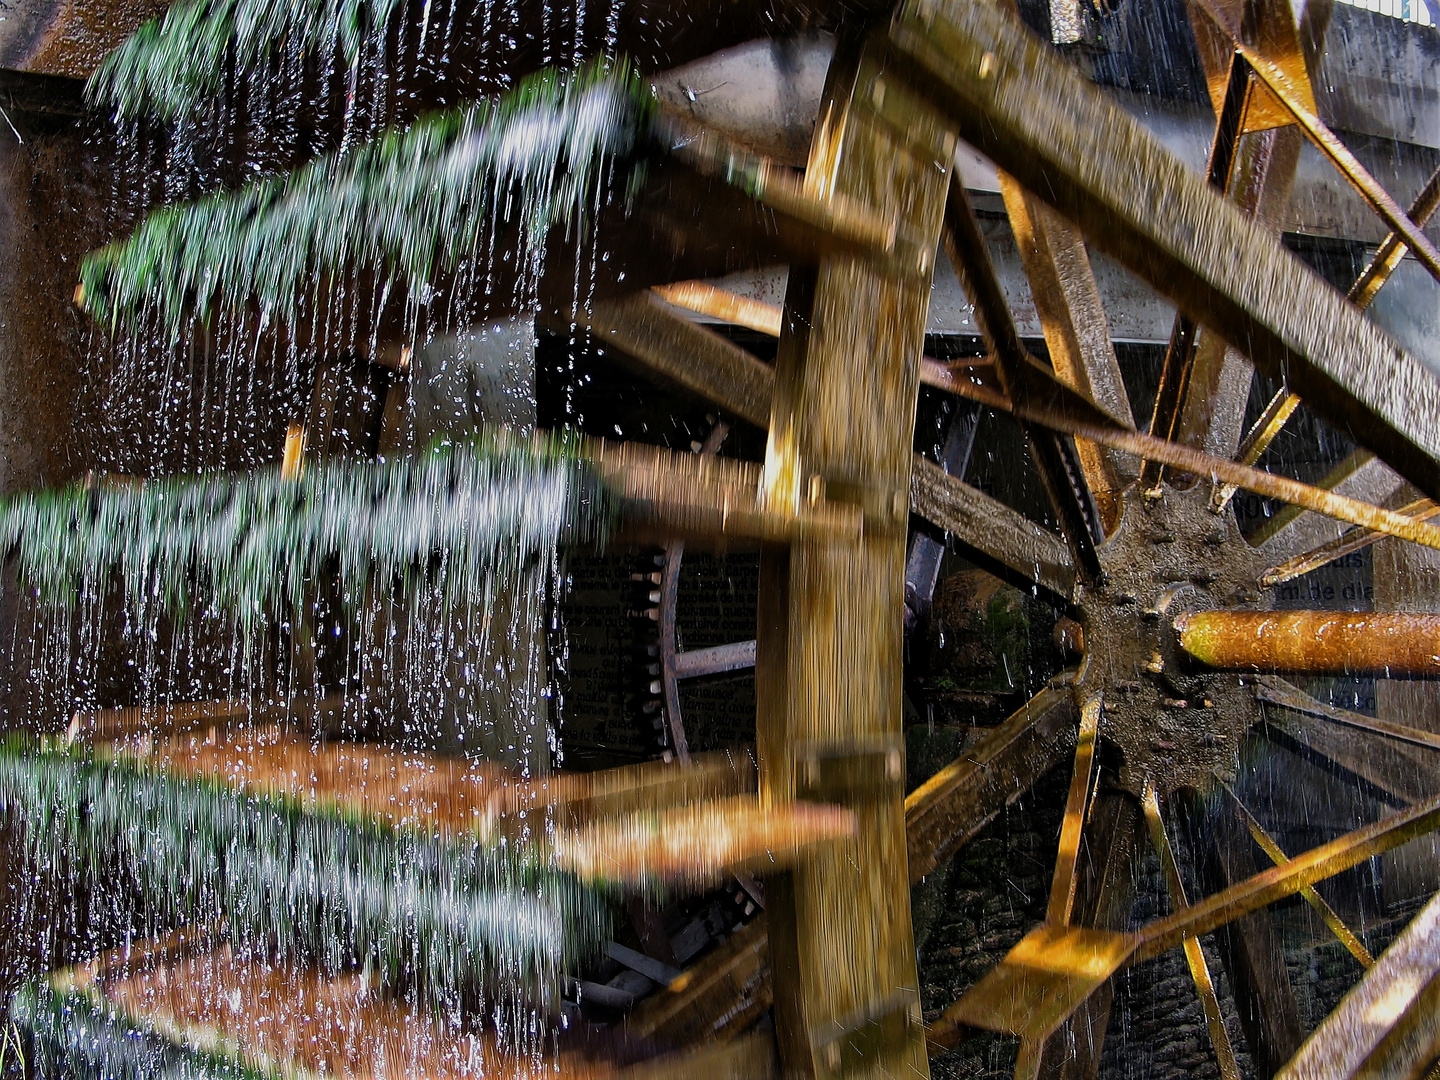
[251,542]
[406,207]
[172,62]
[458,919]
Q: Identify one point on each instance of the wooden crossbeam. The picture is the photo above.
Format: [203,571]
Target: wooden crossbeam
[829,646]
[720,371]
[946,811]
[1388,1025]
[1036,117]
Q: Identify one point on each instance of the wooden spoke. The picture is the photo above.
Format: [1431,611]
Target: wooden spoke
[1175,376]
[1276,855]
[1032,114]
[1054,970]
[1001,538]
[926,553]
[1107,890]
[1289,877]
[947,810]
[1055,458]
[1276,691]
[1388,1025]
[698,359]
[1352,540]
[715,660]
[1250,946]
[1077,335]
[1393,774]
[1359,476]
[665,495]
[849,222]
[720,371]
[723,306]
[1367,286]
[1190,943]
[1067,858]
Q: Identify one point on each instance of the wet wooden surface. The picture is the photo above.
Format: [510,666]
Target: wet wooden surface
[1034,116]
[828,668]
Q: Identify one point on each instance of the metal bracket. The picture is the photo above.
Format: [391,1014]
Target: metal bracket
[850,772]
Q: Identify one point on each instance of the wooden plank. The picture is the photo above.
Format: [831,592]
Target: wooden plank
[1053,455]
[1077,334]
[947,810]
[1036,117]
[828,664]
[699,844]
[285,1020]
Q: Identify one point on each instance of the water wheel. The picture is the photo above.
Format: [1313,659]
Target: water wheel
[1179,647]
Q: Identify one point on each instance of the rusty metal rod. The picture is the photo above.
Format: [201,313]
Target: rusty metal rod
[1314,642]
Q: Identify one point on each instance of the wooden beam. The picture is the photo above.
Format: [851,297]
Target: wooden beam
[1036,117]
[1077,334]
[947,810]
[828,663]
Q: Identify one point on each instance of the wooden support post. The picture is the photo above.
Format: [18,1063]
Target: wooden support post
[828,669]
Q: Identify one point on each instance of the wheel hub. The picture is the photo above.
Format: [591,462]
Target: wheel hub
[1173,723]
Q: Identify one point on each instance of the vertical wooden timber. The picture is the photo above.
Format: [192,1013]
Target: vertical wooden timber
[828,671]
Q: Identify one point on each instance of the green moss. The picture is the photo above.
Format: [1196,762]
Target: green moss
[248,543]
[406,207]
[454,918]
